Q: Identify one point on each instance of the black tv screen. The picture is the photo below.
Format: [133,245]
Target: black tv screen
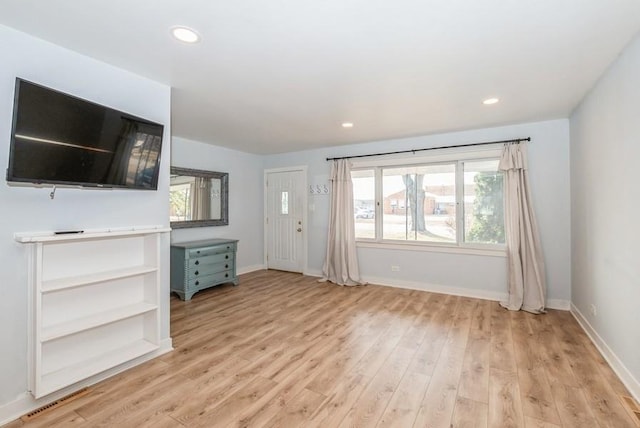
[64,140]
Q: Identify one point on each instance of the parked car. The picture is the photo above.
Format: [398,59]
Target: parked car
[364,213]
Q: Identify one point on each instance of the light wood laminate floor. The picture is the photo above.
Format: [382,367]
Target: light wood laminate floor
[283,350]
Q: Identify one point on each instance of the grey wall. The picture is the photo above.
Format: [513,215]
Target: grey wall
[245,197]
[479,275]
[605,202]
[30,209]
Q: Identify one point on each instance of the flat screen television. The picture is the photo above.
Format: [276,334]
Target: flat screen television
[60,139]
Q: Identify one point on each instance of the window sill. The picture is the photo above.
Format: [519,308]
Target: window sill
[493,251]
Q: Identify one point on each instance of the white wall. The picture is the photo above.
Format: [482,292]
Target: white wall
[245,197]
[605,202]
[469,274]
[30,209]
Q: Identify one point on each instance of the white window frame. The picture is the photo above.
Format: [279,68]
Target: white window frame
[454,155]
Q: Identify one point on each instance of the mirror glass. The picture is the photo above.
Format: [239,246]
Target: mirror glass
[198,198]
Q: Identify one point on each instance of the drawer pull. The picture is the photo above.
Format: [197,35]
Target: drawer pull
[198,252]
[226,266]
[196,273]
[197,262]
[227,256]
[226,275]
[197,282]
[228,247]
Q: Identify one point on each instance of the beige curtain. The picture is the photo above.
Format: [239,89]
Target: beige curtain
[527,287]
[341,262]
[201,199]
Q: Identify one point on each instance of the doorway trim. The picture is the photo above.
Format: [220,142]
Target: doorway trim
[305,217]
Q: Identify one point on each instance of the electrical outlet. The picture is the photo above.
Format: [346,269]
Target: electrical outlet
[395,268]
[593,310]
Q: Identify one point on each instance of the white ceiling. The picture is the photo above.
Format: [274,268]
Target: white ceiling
[282,75]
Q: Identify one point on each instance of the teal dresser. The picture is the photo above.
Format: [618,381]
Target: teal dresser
[202,264]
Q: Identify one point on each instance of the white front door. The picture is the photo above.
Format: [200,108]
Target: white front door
[284,222]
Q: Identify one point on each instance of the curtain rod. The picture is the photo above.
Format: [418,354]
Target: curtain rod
[517,140]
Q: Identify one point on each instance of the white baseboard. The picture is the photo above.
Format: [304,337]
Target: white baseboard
[248,269]
[559,304]
[435,288]
[316,273]
[616,364]
[26,403]
[16,408]
[562,305]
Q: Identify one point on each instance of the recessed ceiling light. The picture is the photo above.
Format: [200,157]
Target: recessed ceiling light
[490,101]
[347,125]
[185,34]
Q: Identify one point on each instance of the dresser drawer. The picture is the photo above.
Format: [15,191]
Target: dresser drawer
[208,269]
[207,280]
[216,249]
[208,260]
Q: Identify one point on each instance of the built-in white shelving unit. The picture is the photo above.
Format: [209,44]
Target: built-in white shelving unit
[94,302]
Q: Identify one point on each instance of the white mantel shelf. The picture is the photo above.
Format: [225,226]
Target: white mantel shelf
[49,236]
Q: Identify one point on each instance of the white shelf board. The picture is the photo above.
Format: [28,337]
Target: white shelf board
[96,320]
[28,237]
[54,381]
[80,280]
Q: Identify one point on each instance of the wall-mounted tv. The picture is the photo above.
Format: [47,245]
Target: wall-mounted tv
[59,139]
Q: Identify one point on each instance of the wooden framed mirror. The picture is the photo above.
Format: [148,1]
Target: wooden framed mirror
[198,198]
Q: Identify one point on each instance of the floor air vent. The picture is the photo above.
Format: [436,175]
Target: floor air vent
[59,402]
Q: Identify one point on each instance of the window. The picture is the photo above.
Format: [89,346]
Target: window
[419,203]
[364,203]
[446,201]
[483,206]
[284,203]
